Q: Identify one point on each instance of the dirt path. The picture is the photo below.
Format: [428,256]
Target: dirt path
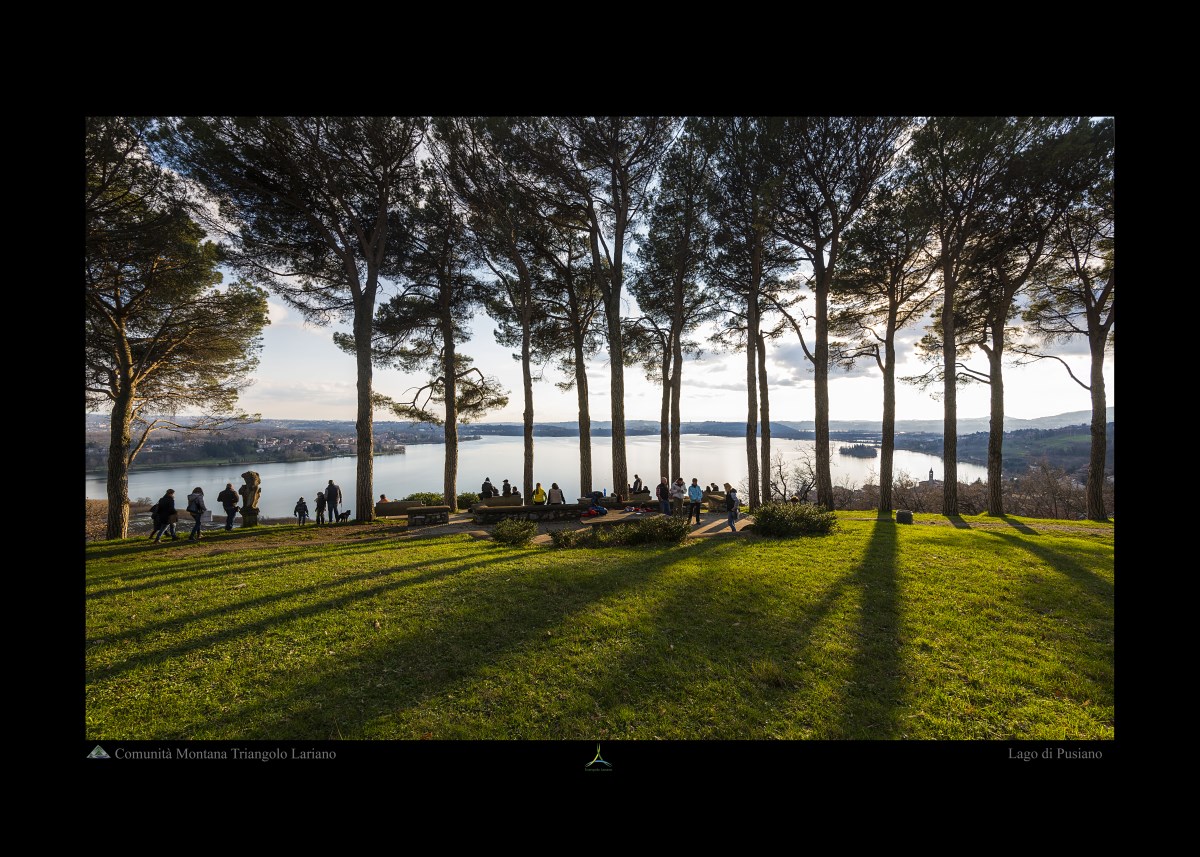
[713,525]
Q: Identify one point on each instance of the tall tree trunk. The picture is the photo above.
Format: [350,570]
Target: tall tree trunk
[450,476]
[821,392]
[364,424]
[888,440]
[585,421]
[527,386]
[664,417]
[995,457]
[117,526]
[611,285]
[1099,448]
[676,389]
[949,399]
[764,409]
[752,399]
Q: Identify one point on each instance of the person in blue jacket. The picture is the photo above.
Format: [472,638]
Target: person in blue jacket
[695,496]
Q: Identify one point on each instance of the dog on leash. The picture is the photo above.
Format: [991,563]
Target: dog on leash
[344,517]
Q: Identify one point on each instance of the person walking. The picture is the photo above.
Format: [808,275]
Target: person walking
[196,508]
[556,494]
[731,505]
[663,493]
[695,495]
[164,516]
[229,499]
[333,498]
[301,511]
[320,507]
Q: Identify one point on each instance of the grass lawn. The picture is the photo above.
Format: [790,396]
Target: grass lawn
[963,628]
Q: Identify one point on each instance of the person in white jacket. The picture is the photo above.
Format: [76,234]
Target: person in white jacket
[678,493]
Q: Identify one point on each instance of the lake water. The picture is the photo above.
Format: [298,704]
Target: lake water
[556,459]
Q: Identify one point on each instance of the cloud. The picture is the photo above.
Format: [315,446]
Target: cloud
[277,312]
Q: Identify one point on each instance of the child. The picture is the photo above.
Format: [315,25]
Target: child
[320,507]
[301,511]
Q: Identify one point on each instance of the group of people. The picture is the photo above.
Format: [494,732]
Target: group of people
[329,499]
[539,497]
[164,516]
[676,494]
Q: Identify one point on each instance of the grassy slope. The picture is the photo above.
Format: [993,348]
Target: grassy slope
[881,631]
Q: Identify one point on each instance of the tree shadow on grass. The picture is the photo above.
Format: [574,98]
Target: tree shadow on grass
[873,699]
[958,522]
[1019,526]
[231,632]
[457,629]
[182,567]
[758,642]
[1060,560]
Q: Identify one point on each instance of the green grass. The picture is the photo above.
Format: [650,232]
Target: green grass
[881,631]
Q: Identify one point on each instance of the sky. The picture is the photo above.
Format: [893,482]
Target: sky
[302,375]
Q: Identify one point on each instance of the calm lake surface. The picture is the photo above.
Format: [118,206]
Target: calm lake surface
[555,459]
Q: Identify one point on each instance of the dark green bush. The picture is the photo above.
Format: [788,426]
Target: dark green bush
[467,499]
[429,498]
[657,530]
[510,531]
[793,519]
[566,538]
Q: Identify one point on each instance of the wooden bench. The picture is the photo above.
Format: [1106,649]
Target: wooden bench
[488,514]
[499,501]
[428,515]
[612,501]
[396,508]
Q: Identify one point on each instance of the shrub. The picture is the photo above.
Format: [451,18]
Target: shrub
[793,519]
[657,530]
[566,538]
[467,499]
[510,531]
[662,529]
[429,498]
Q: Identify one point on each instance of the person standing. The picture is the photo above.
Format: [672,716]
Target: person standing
[637,484]
[695,495]
[320,507]
[165,516]
[228,499]
[556,494]
[333,499]
[301,511]
[731,505]
[678,492]
[196,508]
[487,491]
[663,493]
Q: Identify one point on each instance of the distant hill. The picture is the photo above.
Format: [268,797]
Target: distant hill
[966,425]
[603,428]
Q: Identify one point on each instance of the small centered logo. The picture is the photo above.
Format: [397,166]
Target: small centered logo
[599,763]
[99,753]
